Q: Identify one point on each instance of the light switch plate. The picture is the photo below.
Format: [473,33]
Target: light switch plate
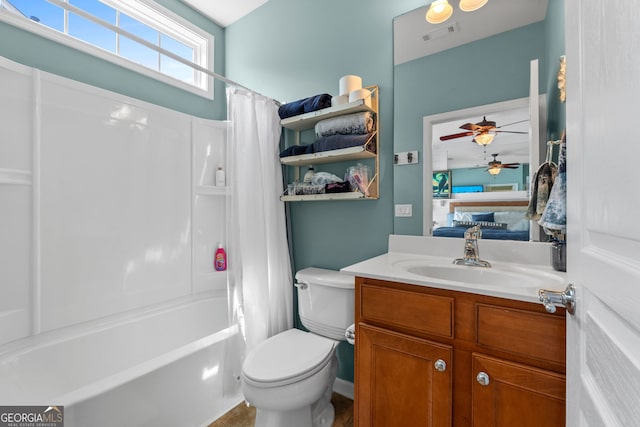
[404,210]
[406,158]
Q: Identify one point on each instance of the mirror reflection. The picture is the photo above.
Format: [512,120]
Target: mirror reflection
[479,169]
[438,72]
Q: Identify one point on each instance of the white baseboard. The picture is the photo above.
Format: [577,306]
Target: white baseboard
[343,387]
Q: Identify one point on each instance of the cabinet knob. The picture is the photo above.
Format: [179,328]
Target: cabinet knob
[440,365]
[483,378]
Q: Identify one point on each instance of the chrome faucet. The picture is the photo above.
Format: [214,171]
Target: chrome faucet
[471,253]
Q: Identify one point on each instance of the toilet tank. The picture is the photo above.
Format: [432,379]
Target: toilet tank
[326,301]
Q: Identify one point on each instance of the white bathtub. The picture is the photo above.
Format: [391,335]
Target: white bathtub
[162,366]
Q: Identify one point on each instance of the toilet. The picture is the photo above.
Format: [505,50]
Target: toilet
[289,377]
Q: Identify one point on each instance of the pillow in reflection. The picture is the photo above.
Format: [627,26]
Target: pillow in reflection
[484,217]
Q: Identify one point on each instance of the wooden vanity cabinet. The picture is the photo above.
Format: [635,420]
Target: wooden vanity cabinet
[433,357]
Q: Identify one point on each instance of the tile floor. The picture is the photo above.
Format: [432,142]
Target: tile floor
[243,416]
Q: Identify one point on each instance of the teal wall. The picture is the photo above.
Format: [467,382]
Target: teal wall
[555,47]
[292,49]
[34,51]
[490,70]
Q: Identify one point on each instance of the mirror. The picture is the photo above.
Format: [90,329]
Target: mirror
[454,66]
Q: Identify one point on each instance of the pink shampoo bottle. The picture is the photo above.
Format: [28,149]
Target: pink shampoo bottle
[220,259]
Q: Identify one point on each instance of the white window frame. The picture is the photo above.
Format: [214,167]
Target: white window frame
[153,15]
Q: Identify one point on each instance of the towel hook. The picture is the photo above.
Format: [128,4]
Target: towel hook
[550,145]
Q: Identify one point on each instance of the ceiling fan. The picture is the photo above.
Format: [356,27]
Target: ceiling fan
[483,132]
[495,165]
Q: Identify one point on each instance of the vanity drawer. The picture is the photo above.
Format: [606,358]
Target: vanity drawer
[430,314]
[537,335]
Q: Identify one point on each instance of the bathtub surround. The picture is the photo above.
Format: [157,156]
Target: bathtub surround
[259,259]
[110,223]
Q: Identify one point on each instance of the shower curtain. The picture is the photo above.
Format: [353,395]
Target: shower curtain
[258,258]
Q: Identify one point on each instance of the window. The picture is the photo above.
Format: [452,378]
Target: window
[137,34]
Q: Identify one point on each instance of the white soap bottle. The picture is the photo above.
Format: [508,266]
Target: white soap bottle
[220,178]
[308,177]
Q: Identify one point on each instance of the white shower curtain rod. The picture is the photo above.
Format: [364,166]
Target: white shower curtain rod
[92,18]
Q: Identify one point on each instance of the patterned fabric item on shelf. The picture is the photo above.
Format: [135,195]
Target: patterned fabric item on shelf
[482,224]
[350,124]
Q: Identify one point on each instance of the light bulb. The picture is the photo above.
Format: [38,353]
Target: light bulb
[471,5]
[484,138]
[439,11]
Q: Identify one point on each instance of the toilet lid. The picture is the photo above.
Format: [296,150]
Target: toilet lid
[288,357]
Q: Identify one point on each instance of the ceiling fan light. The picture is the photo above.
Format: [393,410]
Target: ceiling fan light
[471,5]
[494,170]
[439,11]
[484,138]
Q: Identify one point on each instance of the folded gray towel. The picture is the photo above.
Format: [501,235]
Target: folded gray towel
[350,124]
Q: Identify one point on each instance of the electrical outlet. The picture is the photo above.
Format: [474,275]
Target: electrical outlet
[406,158]
[404,210]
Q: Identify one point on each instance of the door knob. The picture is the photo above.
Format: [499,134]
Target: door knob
[550,299]
[483,378]
[440,365]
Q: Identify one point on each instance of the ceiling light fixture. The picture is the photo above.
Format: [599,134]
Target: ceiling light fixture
[484,138]
[471,5]
[439,11]
[494,170]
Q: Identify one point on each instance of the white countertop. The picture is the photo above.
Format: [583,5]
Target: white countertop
[514,259]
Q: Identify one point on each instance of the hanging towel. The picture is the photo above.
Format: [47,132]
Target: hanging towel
[306,105]
[542,183]
[554,217]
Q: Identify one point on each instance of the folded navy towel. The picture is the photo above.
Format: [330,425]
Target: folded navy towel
[328,143]
[335,142]
[296,150]
[306,105]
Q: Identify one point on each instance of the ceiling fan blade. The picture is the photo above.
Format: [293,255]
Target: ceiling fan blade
[509,124]
[470,126]
[510,131]
[455,135]
[510,166]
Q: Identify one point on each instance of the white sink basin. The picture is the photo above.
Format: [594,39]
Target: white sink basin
[503,275]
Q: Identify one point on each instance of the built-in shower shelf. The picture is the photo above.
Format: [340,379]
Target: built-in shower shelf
[210,190]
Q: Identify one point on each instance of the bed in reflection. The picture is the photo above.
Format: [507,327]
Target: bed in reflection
[499,220]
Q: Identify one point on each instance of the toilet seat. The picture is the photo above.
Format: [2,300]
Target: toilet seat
[286,358]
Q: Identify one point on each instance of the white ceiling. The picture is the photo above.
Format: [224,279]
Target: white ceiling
[225,12]
[495,17]
[463,152]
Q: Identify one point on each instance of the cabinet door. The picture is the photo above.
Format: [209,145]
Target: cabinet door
[400,380]
[512,394]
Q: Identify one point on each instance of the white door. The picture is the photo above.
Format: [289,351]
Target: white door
[603,181]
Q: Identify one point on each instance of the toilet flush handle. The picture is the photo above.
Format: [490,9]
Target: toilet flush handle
[302,286]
